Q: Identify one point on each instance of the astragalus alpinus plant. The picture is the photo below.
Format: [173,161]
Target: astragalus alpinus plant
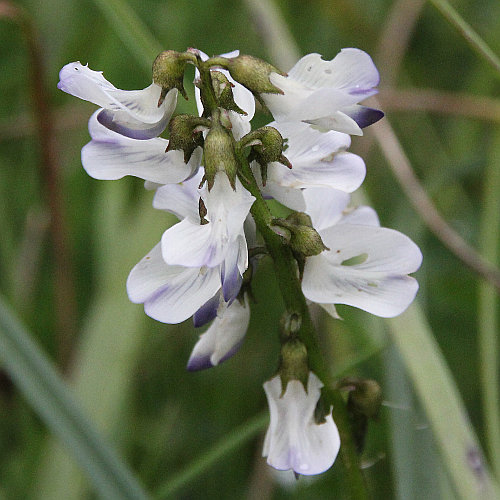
[215,173]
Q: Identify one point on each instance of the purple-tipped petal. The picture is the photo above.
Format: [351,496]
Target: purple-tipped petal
[363,115]
[207,312]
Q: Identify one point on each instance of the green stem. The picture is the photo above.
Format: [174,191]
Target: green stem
[286,273]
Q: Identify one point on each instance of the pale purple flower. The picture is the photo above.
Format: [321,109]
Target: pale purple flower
[294,440]
[224,336]
[133,113]
[366,266]
[326,93]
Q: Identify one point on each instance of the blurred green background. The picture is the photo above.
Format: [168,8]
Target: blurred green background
[68,242]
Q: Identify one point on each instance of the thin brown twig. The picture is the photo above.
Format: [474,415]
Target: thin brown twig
[395,38]
[435,101]
[402,169]
[49,169]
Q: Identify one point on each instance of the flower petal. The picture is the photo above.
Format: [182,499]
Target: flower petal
[318,159]
[134,113]
[365,267]
[294,440]
[170,294]
[181,199]
[112,156]
[351,70]
[223,338]
[363,115]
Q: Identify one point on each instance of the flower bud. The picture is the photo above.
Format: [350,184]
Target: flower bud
[219,155]
[363,403]
[253,73]
[304,239]
[168,71]
[294,363]
[185,134]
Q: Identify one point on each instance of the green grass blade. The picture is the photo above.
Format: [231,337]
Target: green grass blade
[441,401]
[474,40]
[488,308]
[132,30]
[46,392]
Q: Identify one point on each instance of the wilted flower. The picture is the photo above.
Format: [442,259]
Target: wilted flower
[294,440]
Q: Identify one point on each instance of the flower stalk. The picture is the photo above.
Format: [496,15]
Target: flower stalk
[286,272]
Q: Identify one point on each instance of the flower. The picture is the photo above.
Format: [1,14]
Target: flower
[319,159]
[110,155]
[224,336]
[181,276]
[294,440]
[365,266]
[138,114]
[326,93]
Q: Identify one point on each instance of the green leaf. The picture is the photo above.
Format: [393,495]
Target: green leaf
[37,379]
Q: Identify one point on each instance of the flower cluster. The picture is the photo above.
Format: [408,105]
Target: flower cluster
[214,172]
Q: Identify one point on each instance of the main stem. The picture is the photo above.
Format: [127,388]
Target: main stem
[285,268]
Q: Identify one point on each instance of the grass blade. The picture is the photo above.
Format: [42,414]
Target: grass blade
[46,392]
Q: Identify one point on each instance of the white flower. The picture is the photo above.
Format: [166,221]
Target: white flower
[319,159]
[326,93]
[171,294]
[366,266]
[133,113]
[294,440]
[110,155]
[224,336]
[192,244]
[184,274]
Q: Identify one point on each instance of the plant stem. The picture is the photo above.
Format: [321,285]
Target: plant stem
[287,275]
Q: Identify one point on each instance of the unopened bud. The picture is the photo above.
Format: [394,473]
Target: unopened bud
[219,155]
[168,71]
[253,73]
[294,363]
[304,239]
[185,133]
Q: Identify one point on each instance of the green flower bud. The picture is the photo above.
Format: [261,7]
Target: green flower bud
[267,146]
[293,363]
[219,154]
[168,71]
[185,133]
[304,239]
[253,73]
[363,403]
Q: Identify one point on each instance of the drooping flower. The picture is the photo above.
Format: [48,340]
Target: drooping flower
[139,114]
[326,93]
[294,440]
[365,266]
[224,336]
